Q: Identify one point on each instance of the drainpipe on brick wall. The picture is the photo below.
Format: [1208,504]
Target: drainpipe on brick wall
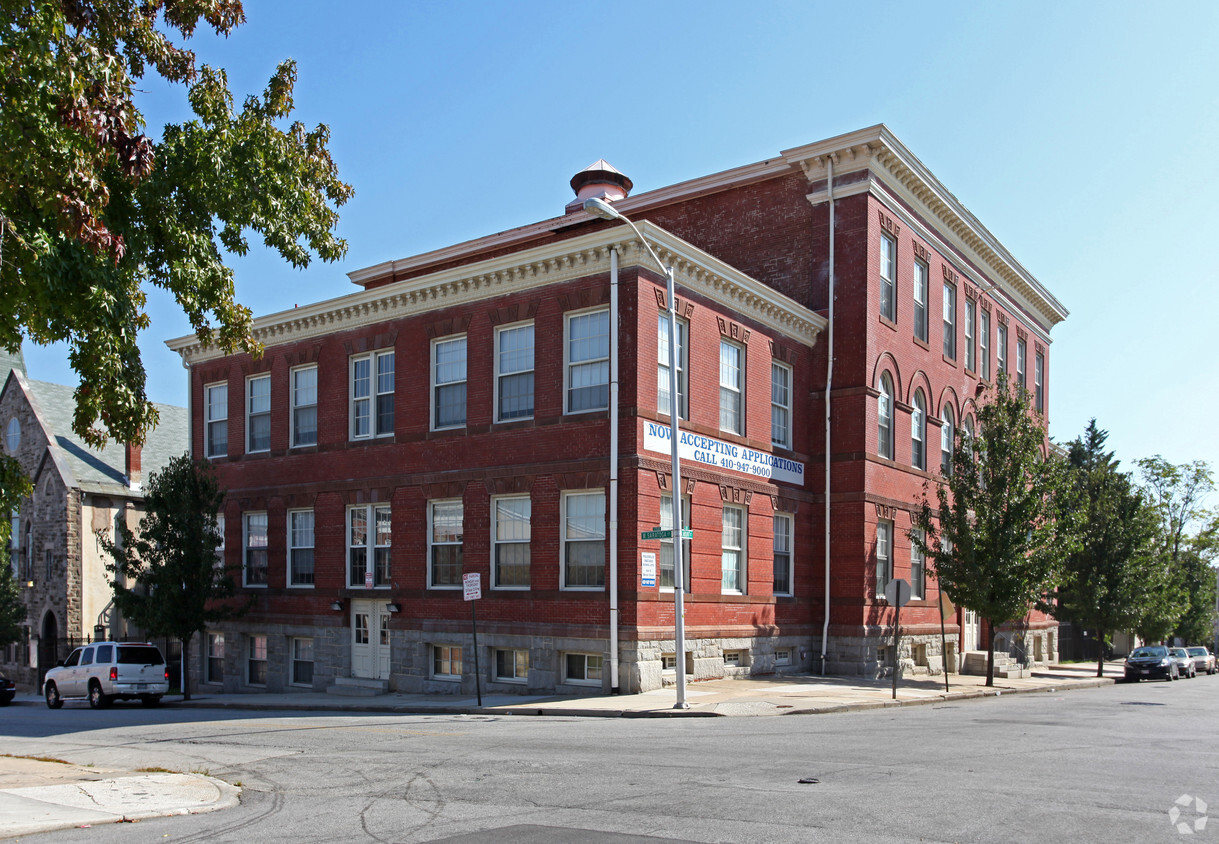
[829,384]
[613,482]
[190,421]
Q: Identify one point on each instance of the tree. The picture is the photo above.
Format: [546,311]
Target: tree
[92,210]
[14,486]
[1113,574]
[995,540]
[165,577]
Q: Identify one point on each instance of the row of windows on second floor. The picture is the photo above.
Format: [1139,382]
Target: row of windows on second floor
[581,539]
[373,383]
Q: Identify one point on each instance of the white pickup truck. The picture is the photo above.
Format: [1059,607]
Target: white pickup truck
[105,671]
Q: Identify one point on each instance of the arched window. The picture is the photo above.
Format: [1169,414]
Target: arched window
[884,408]
[12,436]
[918,431]
[946,443]
[967,436]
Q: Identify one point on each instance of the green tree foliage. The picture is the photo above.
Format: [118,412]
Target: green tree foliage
[995,539]
[1114,572]
[14,486]
[165,576]
[93,210]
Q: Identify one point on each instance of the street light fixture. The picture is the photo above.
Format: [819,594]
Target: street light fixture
[601,208]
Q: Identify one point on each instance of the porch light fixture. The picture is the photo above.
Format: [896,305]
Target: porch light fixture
[337,605]
[393,606]
[600,208]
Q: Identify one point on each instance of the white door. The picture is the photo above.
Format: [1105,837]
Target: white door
[369,640]
[970,633]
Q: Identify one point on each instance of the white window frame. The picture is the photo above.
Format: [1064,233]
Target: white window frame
[947,441]
[297,537]
[12,436]
[666,523]
[918,571]
[443,656]
[436,385]
[457,542]
[733,551]
[214,655]
[884,555]
[1001,347]
[888,277]
[250,414]
[781,406]
[246,548]
[520,670]
[364,411]
[1039,382]
[950,321]
[783,548]
[918,430]
[296,659]
[884,417]
[586,660]
[501,375]
[211,422]
[732,391]
[298,402]
[565,539]
[570,365]
[922,274]
[257,651]
[371,545]
[971,319]
[662,366]
[1021,361]
[510,538]
[984,345]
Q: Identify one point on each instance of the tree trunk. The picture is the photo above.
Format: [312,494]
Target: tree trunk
[990,653]
[186,668]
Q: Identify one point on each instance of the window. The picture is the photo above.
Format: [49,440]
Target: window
[12,436]
[967,437]
[258,413]
[254,561]
[446,662]
[946,441]
[732,387]
[732,550]
[783,545]
[220,547]
[666,545]
[300,547]
[302,662]
[1039,382]
[1001,347]
[369,539]
[304,406]
[971,310]
[583,539]
[216,424]
[888,278]
[884,415]
[984,345]
[512,666]
[662,366]
[1020,361]
[950,322]
[445,543]
[48,564]
[918,431]
[215,658]
[884,555]
[449,383]
[14,542]
[583,669]
[780,405]
[510,537]
[588,367]
[29,552]
[372,395]
[733,658]
[256,666]
[514,372]
[920,300]
[783,656]
[918,570]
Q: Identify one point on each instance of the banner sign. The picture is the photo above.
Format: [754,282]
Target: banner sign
[721,455]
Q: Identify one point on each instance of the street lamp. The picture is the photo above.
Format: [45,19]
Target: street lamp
[601,208]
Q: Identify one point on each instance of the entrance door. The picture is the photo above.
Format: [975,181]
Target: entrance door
[369,640]
[971,633]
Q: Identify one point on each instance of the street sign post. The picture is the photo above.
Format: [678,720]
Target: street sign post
[472,590]
[897,593]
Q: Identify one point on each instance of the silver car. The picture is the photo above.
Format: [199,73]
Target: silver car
[1185,665]
[103,672]
[1204,660]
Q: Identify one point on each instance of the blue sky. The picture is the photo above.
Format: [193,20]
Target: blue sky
[1083,135]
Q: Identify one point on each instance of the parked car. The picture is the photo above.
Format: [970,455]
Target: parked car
[1185,665]
[105,671]
[1150,662]
[8,690]
[1204,660]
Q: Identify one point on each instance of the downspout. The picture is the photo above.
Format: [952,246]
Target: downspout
[190,450]
[829,384]
[613,482]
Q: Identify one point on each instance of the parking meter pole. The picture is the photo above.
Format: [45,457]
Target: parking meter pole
[897,634]
[478,683]
[943,635]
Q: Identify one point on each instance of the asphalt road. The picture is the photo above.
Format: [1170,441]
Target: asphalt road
[1102,764]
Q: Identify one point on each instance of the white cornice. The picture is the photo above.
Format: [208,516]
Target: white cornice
[550,263]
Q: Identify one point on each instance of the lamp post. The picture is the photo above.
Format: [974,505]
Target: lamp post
[600,208]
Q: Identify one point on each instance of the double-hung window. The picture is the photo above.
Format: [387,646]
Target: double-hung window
[445,542]
[372,395]
[511,665]
[214,669]
[732,387]
[950,322]
[256,665]
[302,662]
[582,537]
[300,547]
[946,441]
[369,540]
[304,406]
[918,570]
[1039,382]
[449,383]
[918,431]
[732,550]
[662,366]
[984,345]
[884,555]
[254,552]
[780,405]
[258,413]
[587,367]
[920,300]
[971,312]
[1001,347]
[510,537]
[216,425]
[666,545]
[783,545]
[446,662]
[884,417]
[514,372]
[1021,356]
[888,278]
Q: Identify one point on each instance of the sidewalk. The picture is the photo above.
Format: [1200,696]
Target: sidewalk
[42,795]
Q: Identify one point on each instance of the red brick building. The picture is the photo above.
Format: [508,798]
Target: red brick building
[455,415]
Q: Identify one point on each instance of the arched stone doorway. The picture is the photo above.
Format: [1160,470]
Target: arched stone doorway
[48,646]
